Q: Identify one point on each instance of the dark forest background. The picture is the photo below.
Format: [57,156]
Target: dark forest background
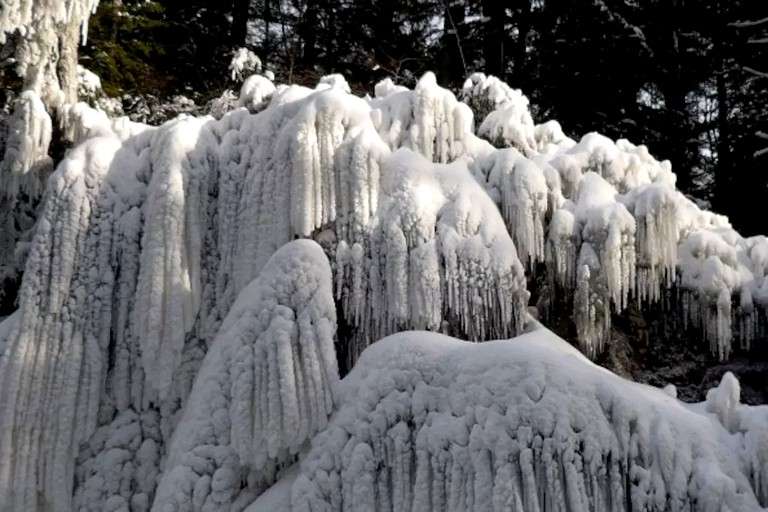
[687,78]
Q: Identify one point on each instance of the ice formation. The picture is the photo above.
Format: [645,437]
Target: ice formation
[88,83]
[265,388]
[428,422]
[502,112]
[25,157]
[45,42]
[147,236]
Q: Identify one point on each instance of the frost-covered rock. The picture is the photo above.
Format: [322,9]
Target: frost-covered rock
[431,423]
[265,388]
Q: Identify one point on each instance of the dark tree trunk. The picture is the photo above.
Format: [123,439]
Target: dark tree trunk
[452,67]
[493,38]
[520,49]
[240,16]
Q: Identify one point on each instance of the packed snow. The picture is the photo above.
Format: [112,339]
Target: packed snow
[148,235]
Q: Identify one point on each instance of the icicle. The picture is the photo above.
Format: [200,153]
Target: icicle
[591,304]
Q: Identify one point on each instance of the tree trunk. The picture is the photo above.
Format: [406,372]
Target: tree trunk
[452,66]
[66,68]
[493,38]
[308,35]
[520,50]
[240,17]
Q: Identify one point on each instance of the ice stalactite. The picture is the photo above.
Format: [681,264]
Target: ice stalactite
[525,198]
[655,211]
[709,276]
[591,303]
[265,388]
[427,422]
[439,252]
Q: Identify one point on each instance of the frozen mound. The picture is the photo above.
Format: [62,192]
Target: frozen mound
[428,422]
[265,388]
[148,234]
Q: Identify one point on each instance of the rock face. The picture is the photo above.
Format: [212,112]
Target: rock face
[148,235]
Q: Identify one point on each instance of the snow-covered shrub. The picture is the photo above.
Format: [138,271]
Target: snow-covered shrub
[244,62]
[88,83]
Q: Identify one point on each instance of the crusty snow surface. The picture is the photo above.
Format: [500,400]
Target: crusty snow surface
[176,349]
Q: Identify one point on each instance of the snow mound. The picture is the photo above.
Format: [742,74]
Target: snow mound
[266,386]
[428,422]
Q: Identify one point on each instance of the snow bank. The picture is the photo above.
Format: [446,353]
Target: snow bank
[266,387]
[429,422]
